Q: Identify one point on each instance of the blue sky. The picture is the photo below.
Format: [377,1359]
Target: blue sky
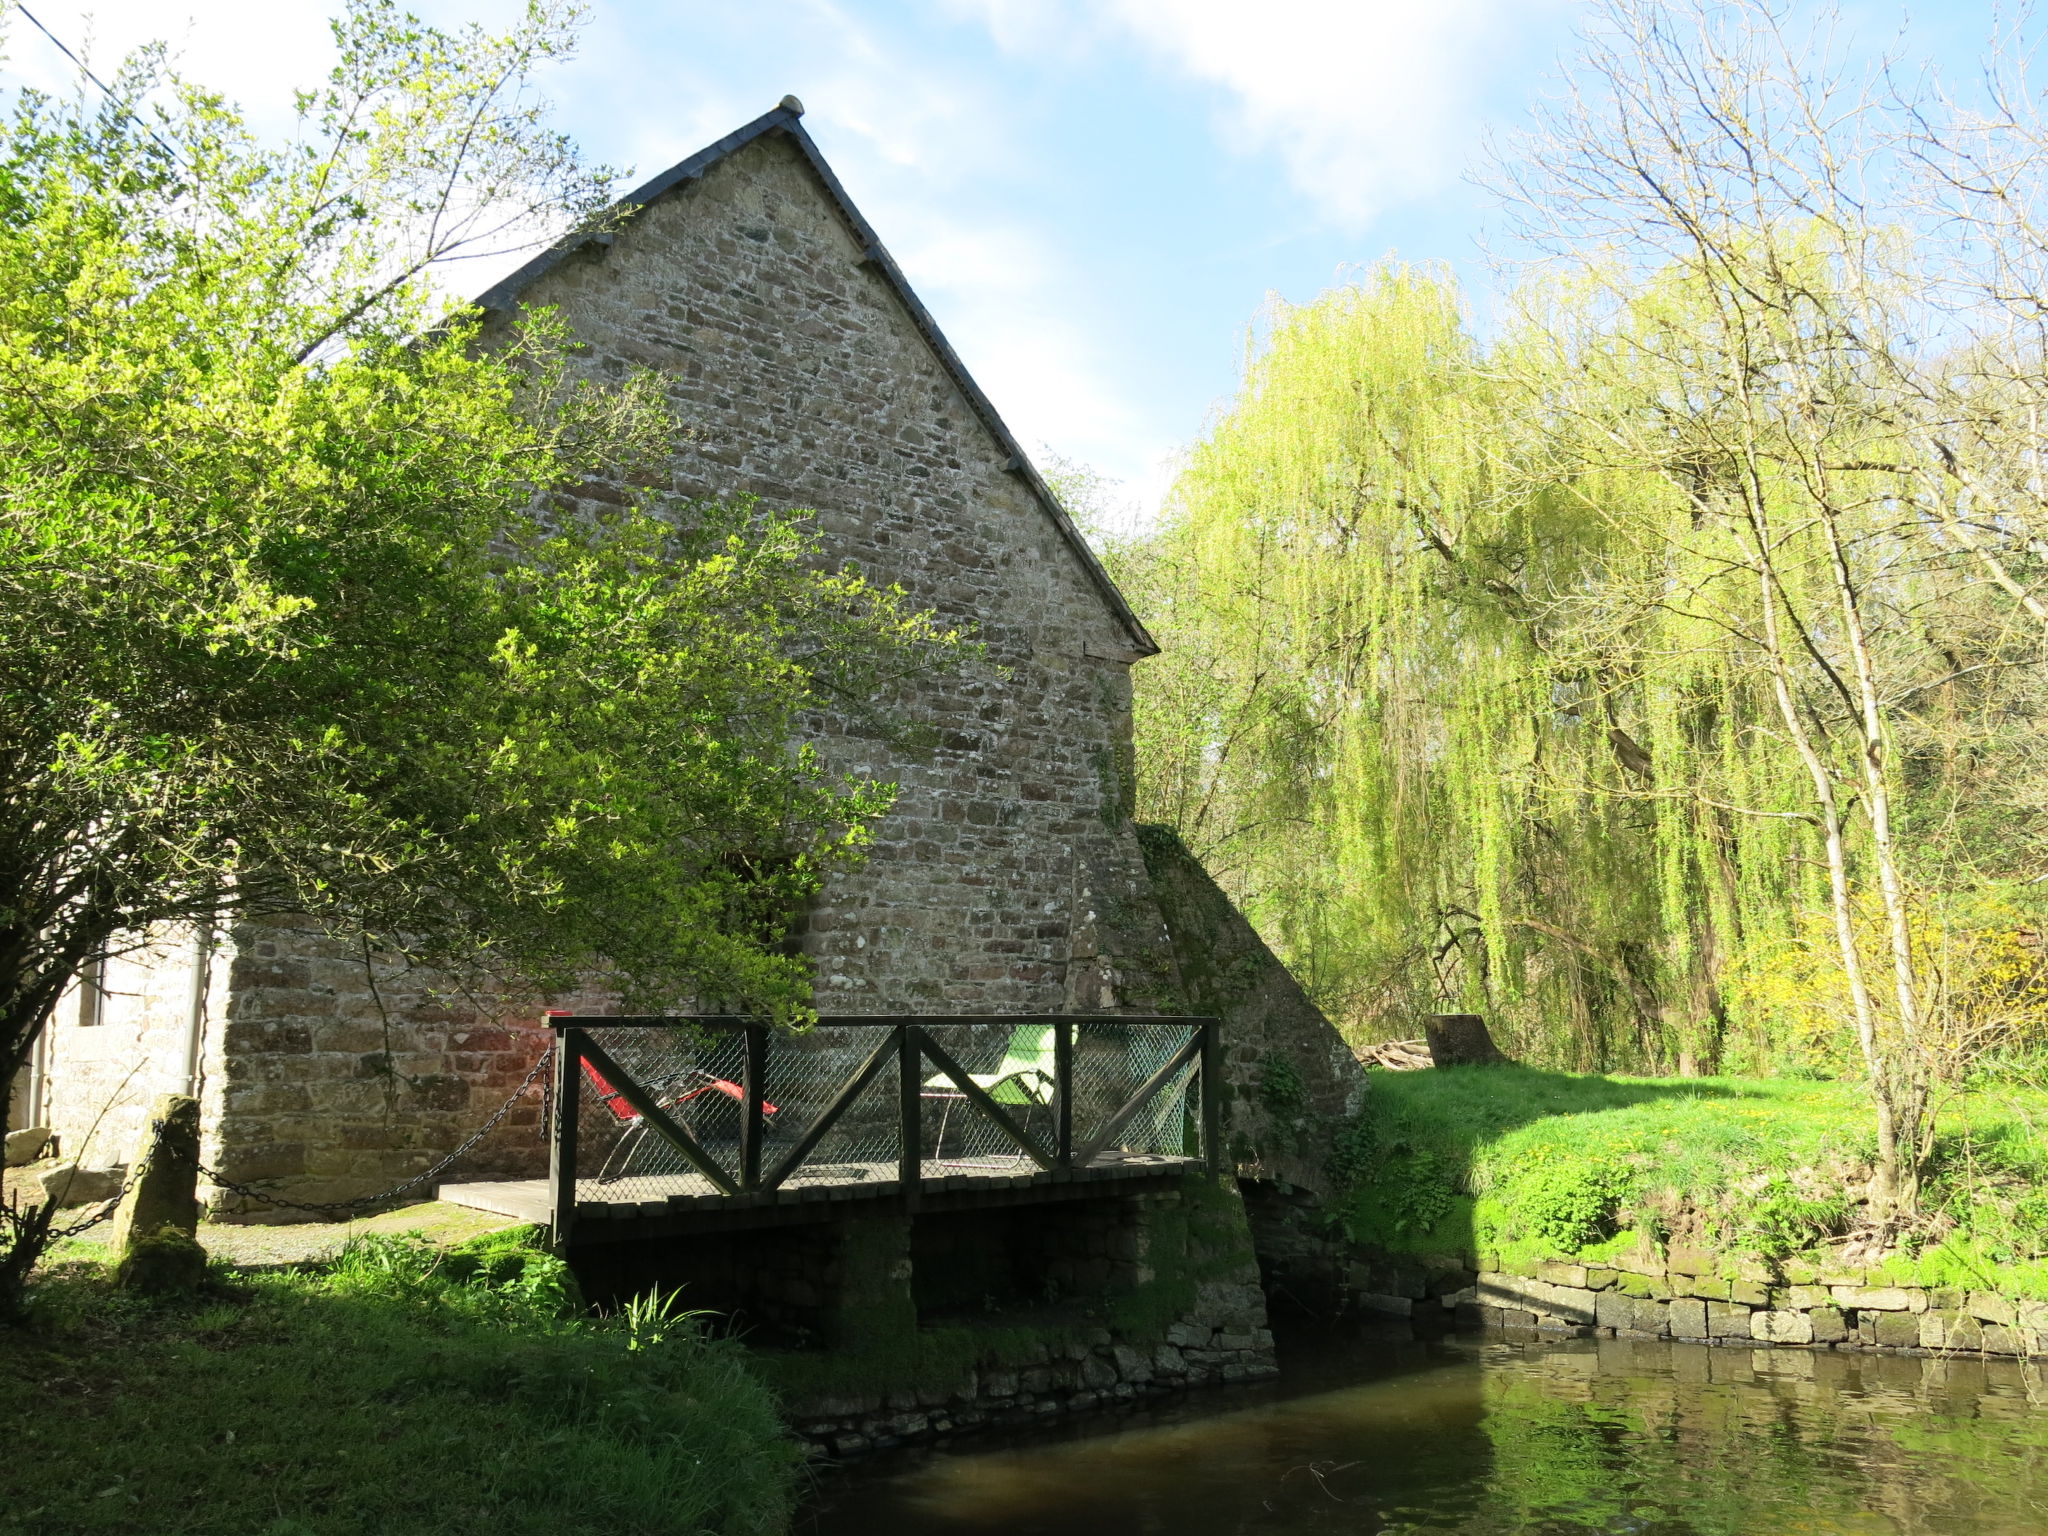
[1093,196]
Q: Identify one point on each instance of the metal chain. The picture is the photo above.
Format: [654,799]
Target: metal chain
[112,1205]
[320,1207]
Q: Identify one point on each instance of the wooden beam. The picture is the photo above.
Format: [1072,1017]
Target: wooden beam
[568,1100]
[754,1069]
[1063,1088]
[658,1119]
[1212,1093]
[909,1113]
[1113,1127]
[841,1102]
[979,1096]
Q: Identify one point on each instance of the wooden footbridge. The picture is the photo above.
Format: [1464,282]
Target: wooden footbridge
[667,1125]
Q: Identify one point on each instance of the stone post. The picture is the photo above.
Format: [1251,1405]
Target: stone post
[163,1176]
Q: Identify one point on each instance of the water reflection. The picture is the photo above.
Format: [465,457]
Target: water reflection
[1485,1437]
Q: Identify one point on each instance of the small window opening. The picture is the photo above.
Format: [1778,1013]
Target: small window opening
[92,993]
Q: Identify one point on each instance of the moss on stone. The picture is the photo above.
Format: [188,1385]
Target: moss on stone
[168,1262]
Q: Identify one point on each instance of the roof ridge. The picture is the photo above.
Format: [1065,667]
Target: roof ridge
[785,117]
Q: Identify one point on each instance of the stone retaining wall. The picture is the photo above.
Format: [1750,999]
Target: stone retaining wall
[1146,1294]
[1706,1298]
[1223,1338]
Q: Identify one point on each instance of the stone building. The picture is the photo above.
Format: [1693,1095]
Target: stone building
[1009,876]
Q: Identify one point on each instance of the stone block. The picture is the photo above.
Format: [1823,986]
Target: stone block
[1561,1274]
[1688,1318]
[69,1184]
[1898,1330]
[1707,1288]
[1747,1266]
[1726,1320]
[1571,1304]
[1680,1260]
[1647,1287]
[1829,1326]
[1988,1308]
[1805,1298]
[1774,1327]
[166,1262]
[1650,1318]
[1611,1309]
[1599,1279]
[1880,1298]
[1641,1261]
[1950,1330]
[2001,1340]
[1131,1365]
[1751,1293]
[25,1146]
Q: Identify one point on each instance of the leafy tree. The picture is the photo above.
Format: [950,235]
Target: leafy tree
[1686,634]
[303,606]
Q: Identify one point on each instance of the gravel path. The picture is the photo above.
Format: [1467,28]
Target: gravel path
[277,1247]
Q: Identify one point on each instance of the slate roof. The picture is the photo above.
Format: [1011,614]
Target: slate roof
[786,119]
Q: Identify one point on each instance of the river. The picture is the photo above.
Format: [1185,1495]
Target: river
[1485,1435]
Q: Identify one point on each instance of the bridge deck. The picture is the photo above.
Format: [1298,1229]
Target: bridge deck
[677,1201]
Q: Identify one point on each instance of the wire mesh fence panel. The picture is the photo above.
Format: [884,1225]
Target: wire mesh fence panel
[1113,1061]
[693,1076]
[1013,1062]
[832,1100]
[805,1076]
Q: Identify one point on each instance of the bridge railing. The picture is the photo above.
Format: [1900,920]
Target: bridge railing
[660,1108]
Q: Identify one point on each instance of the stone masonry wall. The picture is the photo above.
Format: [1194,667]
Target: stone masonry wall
[1179,1306]
[119,1043]
[1007,877]
[1710,1299]
[1290,1079]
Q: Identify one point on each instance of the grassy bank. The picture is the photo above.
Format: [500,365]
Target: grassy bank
[1529,1164]
[398,1389]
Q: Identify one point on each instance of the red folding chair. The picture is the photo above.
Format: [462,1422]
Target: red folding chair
[690,1084]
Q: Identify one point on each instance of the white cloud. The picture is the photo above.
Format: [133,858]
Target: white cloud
[1364,102]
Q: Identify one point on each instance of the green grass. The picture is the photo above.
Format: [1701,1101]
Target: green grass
[397,1390]
[1528,1164]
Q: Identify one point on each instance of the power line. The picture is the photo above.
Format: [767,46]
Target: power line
[105,89]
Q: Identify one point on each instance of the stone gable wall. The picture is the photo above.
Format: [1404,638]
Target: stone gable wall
[1007,877]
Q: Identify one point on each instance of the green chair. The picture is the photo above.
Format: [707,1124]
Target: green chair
[1025,1077]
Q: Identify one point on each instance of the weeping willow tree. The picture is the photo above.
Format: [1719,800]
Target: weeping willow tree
[1387,715]
[1661,677]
